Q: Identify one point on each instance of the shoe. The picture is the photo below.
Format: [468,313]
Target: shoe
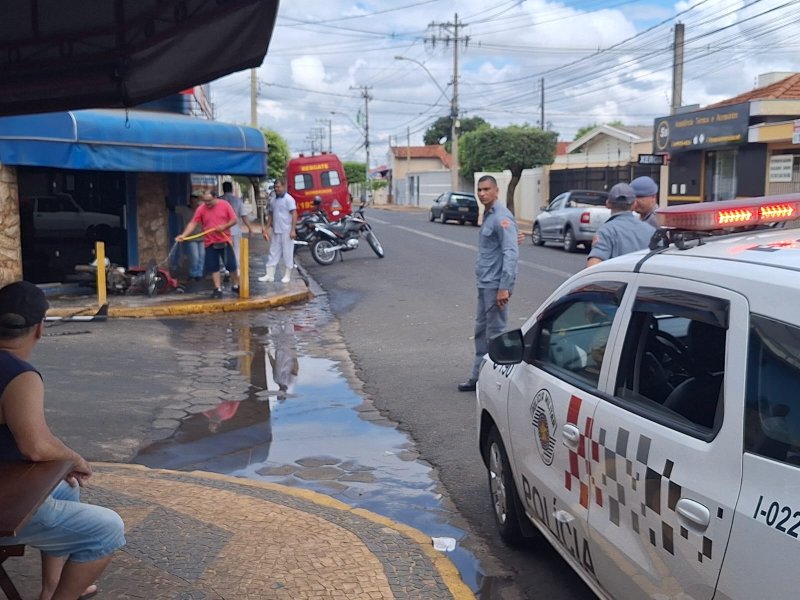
[287,276]
[468,386]
[269,277]
[217,293]
[235,289]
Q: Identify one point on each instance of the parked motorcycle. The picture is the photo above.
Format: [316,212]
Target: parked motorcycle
[305,230]
[334,238]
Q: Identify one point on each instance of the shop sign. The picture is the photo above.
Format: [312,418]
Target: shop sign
[654,159]
[780,168]
[702,129]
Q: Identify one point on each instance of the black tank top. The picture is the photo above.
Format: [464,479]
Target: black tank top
[10,367]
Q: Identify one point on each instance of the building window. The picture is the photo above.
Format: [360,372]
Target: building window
[723,175]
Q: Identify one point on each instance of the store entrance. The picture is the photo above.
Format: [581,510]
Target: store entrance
[62,214]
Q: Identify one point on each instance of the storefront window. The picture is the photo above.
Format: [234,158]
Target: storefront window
[723,175]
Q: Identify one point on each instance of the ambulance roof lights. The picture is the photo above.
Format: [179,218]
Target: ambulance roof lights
[746,212]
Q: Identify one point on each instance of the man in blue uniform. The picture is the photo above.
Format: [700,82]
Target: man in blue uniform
[622,232]
[646,191]
[495,271]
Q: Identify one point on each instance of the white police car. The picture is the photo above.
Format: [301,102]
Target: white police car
[646,419]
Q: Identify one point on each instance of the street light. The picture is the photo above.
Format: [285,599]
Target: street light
[454,167]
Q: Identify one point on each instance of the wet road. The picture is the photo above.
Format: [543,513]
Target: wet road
[407,321]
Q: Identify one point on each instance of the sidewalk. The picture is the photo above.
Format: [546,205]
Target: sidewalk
[196,298]
[197,535]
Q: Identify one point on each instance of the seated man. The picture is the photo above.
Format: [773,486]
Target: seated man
[76,540]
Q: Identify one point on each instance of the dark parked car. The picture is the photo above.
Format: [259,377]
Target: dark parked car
[455,206]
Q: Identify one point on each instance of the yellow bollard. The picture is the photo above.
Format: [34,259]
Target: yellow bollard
[100,255]
[244,268]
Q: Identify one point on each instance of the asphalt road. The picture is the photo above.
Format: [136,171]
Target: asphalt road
[407,321]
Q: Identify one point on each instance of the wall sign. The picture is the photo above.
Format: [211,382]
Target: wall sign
[711,128]
[780,168]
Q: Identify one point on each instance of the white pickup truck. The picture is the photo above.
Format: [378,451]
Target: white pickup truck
[571,218]
[59,216]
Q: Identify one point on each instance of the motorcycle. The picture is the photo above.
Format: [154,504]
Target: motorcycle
[305,230]
[150,280]
[334,238]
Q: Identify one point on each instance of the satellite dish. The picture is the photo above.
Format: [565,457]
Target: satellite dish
[443,139]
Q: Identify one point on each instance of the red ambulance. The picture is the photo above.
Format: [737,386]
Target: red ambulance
[319,175]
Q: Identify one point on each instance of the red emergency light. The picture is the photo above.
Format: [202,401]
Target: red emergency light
[710,216]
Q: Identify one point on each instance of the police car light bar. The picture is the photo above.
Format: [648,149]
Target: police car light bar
[725,214]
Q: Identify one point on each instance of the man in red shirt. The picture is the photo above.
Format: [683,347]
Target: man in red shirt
[216,217]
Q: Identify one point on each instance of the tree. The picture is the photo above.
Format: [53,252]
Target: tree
[441,129]
[278,154]
[356,172]
[512,148]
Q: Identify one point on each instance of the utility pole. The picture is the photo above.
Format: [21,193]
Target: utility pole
[452,32]
[677,69]
[408,164]
[541,122]
[253,98]
[365,94]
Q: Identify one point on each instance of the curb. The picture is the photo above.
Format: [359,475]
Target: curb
[444,566]
[177,309]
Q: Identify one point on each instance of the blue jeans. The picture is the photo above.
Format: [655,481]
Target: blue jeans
[197,256]
[67,528]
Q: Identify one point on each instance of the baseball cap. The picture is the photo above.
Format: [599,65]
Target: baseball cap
[621,193]
[22,304]
[644,186]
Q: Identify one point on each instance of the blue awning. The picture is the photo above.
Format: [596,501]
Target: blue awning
[133,141]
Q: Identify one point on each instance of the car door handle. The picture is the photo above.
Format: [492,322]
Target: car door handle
[695,513]
[570,435]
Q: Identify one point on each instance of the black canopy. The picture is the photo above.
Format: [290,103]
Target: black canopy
[59,54]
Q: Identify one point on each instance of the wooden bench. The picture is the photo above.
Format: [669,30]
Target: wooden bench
[25,486]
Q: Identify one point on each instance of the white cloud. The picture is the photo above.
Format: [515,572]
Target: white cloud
[597,67]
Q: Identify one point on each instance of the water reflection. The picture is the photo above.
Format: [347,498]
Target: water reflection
[293,415]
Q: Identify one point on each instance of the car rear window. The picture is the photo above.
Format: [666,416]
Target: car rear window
[591,198]
[463,200]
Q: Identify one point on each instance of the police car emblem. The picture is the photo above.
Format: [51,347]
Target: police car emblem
[543,419]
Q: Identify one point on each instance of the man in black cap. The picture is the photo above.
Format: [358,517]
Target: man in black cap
[622,232]
[77,540]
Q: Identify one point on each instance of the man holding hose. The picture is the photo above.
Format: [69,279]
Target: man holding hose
[215,217]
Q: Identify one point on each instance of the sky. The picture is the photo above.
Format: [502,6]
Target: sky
[598,60]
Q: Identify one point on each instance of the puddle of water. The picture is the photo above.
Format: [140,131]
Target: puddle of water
[279,408]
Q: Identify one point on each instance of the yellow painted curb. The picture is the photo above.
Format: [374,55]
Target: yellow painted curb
[441,563]
[177,308]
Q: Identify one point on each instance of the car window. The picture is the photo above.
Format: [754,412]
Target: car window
[570,337]
[463,200]
[303,181]
[330,178]
[47,204]
[557,204]
[672,365]
[772,417]
[589,198]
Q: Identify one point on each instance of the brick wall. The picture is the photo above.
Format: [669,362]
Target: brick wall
[10,247]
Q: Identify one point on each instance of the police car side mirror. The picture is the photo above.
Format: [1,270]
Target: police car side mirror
[507,348]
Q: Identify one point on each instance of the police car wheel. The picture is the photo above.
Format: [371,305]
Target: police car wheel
[503,490]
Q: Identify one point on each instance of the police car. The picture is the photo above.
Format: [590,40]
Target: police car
[646,419]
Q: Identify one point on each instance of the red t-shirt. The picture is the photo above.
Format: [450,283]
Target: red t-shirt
[213,216]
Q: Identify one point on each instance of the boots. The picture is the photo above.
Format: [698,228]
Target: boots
[269,277]
[287,275]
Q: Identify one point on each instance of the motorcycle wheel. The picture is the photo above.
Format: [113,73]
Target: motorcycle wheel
[373,242]
[153,279]
[323,253]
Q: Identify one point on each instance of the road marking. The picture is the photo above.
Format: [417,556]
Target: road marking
[381,221]
[552,271]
